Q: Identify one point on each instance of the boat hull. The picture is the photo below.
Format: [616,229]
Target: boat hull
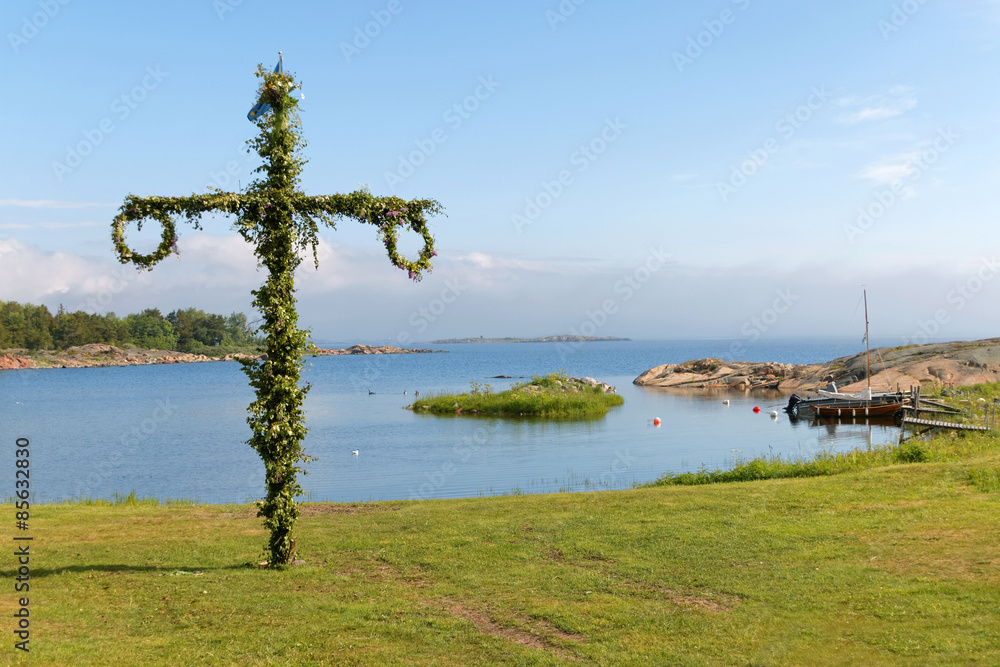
[857,409]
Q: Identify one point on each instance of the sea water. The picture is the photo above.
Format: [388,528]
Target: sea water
[180,431]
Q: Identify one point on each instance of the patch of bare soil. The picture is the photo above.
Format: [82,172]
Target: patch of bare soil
[718,602]
[314,509]
[537,636]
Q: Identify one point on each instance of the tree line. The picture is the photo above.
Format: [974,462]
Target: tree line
[31,327]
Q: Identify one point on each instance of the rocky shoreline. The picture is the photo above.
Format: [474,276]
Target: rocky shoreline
[960,363]
[98,355]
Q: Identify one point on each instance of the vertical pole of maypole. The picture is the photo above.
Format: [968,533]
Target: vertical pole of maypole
[276,416]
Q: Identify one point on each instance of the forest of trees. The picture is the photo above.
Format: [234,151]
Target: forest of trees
[32,327]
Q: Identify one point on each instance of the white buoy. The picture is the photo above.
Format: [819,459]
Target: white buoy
[774,414]
[726,402]
[355,452]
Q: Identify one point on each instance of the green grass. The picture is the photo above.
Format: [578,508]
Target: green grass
[975,402]
[986,480]
[551,396]
[892,564]
[949,447]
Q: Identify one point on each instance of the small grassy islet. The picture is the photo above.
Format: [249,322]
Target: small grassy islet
[552,396]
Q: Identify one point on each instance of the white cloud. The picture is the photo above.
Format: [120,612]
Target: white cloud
[27,274]
[893,169]
[488,262]
[357,295]
[896,102]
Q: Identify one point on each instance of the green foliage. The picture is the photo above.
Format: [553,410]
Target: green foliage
[150,330]
[986,480]
[550,381]
[26,326]
[480,389]
[279,221]
[80,328]
[193,326]
[239,331]
[550,396]
[776,467]
[911,452]
[946,448]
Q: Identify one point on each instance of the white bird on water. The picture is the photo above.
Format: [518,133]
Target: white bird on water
[354,451]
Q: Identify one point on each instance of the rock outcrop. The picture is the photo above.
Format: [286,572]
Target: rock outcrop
[942,364]
[702,373]
[100,355]
[12,361]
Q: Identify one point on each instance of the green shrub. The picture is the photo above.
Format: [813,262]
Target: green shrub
[911,452]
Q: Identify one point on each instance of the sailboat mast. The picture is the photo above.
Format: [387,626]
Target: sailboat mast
[868,361]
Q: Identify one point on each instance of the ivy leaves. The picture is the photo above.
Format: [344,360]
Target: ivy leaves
[279,220]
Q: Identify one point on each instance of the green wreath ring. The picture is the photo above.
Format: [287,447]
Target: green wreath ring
[125,254]
[423,262]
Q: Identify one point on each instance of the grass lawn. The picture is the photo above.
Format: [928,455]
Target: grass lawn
[896,564]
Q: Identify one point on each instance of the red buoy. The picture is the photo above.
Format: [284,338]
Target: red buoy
[656,421]
[756,409]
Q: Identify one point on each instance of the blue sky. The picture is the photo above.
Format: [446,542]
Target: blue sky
[730,169]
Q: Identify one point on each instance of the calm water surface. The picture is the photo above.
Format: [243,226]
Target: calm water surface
[179,431]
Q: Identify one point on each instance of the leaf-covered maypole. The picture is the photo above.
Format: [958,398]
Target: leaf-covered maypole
[280,222]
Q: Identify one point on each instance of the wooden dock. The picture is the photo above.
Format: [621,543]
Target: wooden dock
[939,424]
[932,426]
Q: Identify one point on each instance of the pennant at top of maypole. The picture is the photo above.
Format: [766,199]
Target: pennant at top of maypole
[262,108]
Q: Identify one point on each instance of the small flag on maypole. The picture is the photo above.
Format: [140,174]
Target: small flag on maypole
[262,108]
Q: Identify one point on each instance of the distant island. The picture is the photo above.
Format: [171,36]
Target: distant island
[100,355]
[542,339]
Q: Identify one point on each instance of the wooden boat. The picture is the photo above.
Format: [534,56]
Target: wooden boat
[858,409]
[837,404]
[832,404]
